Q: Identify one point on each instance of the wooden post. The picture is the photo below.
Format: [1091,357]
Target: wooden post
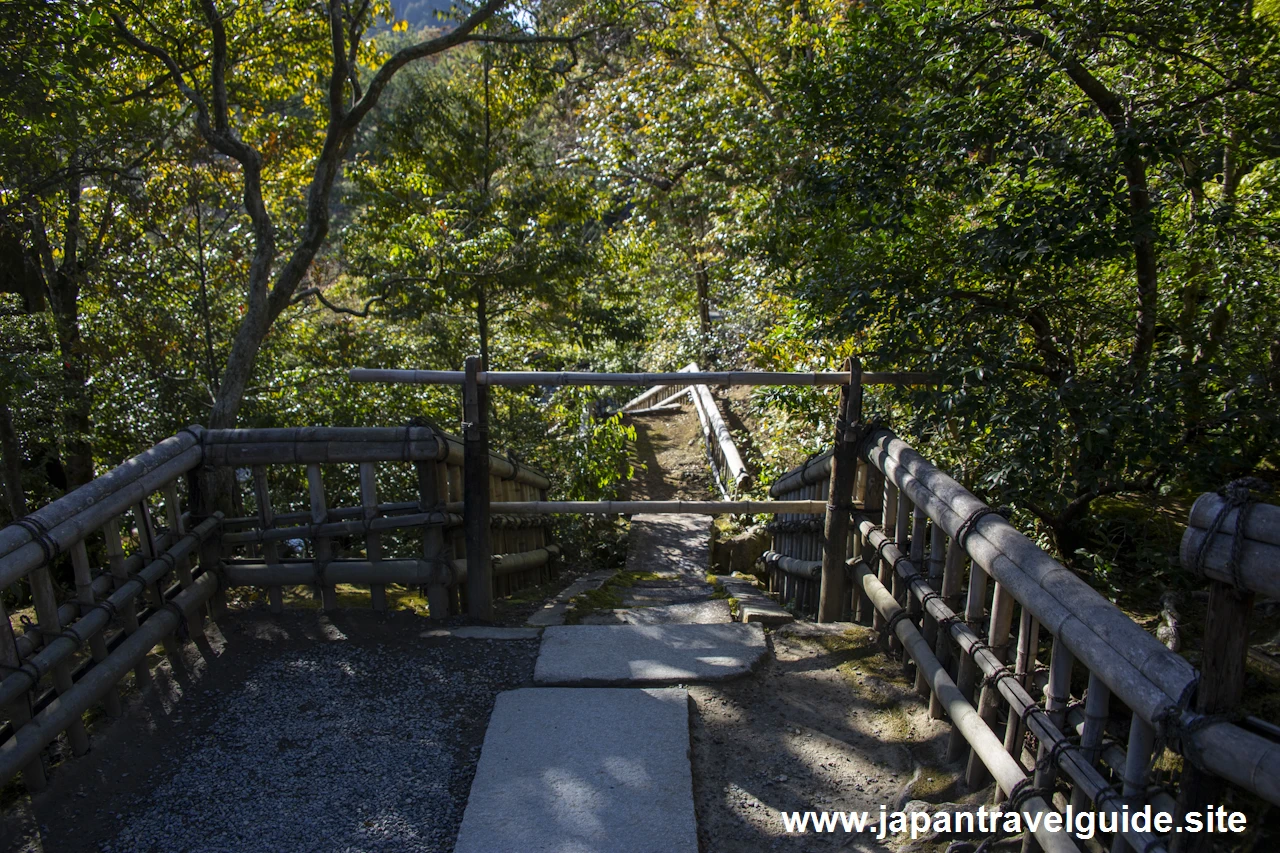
[49,626]
[182,568]
[475,433]
[267,520]
[1222,669]
[155,592]
[323,547]
[98,642]
[833,598]
[372,541]
[20,710]
[431,493]
[128,613]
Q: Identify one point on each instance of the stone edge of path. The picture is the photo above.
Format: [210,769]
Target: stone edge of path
[648,655]
[560,771]
[553,612]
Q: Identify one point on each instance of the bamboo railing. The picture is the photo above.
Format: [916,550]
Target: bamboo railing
[148,554]
[975,639]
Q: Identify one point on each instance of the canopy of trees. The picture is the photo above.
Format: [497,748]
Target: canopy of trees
[1069,210]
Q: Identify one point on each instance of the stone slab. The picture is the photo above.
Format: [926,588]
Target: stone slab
[706,612]
[666,544]
[567,770]
[764,612]
[485,632]
[552,613]
[649,655]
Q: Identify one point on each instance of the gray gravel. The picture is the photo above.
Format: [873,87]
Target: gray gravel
[336,747]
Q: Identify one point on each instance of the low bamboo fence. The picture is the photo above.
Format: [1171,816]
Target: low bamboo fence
[149,554]
[974,607]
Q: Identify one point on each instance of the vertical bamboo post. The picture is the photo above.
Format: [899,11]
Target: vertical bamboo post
[98,642]
[267,520]
[128,613]
[200,488]
[173,517]
[372,541]
[1137,759]
[989,699]
[182,567]
[966,678]
[49,626]
[19,710]
[155,592]
[433,551]
[1222,670]
[475,432]
[1057,695]
[1097,698]
[919,524]
[844,462]
[933,570]
[952,583]
[1024,665]
[322,545]
[883,569]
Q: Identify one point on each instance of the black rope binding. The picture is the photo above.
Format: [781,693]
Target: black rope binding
[892,623]
[184,630]
[1239,495]
[970,524]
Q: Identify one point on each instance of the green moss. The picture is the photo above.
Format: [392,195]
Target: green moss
[606,597]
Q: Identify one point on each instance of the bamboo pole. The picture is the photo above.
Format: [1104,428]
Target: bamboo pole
[59,650]
[373,540]
[150,549]
[322,546]
[556,379]
[87,599]
[844,465]
[19,709]
[182,447]
[962,714]
[475,432]
[410,572]
[49,625]
[1001,621]
[807,507]
[806,569]
[645,396]
[266,520]
[27,742]
[106,505]
[129,612]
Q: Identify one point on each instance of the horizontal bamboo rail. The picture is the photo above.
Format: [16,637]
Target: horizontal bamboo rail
[656,507]
[963,715]
[1260,547]
[916,528]
[552,378]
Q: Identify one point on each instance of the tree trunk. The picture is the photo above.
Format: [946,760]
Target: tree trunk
[1144,256]
[11,450]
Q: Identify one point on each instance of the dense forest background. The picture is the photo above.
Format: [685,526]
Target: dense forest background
[1070,210]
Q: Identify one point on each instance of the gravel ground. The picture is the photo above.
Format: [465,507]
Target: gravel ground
[296,733]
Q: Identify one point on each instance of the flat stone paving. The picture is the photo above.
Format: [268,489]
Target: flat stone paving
[583,771]
[647,655]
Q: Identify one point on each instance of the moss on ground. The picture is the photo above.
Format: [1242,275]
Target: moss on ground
[608,596]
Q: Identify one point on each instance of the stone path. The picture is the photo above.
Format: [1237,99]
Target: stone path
[595,760]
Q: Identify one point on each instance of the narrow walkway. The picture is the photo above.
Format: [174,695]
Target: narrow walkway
[596,758]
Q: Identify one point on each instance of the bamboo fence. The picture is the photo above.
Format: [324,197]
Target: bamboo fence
[149,555]
[981,633]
